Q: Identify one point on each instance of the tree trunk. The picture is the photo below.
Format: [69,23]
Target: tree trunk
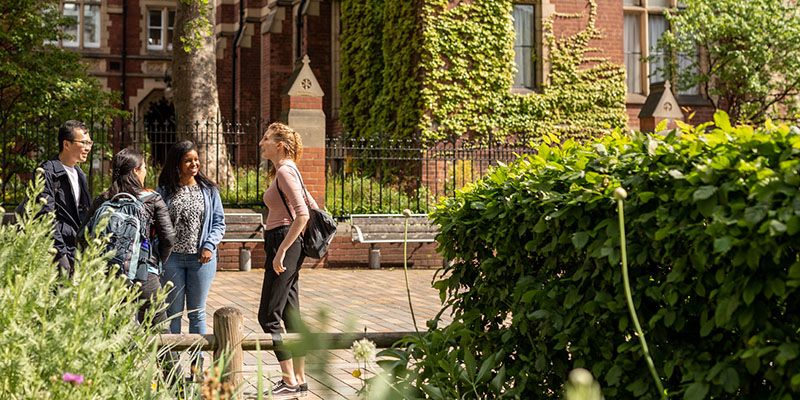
[194,81]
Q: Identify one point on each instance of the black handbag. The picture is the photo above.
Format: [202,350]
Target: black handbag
[320,229]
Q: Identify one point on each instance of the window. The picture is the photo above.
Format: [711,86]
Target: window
[645,23]
[84,26]
[524,46]
[160,28]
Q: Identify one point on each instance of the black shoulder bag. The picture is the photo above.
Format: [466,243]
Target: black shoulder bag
[321,226]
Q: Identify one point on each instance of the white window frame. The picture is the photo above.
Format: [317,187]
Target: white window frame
[80,41]
[165,28]
[643,9]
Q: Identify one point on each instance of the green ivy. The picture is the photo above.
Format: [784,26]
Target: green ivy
[446,71]
[362,65]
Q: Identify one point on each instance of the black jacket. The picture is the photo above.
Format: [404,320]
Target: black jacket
[69,216]
[157,223]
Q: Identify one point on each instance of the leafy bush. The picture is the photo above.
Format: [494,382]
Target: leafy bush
[53,327]
[713,222]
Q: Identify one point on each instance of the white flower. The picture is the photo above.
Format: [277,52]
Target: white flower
[363,350]
[407,213]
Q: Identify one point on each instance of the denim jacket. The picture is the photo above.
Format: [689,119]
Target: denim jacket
[213,218]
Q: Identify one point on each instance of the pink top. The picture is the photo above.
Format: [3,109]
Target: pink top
[288,179]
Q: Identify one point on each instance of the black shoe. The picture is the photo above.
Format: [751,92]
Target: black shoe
[282,390]
[303,389]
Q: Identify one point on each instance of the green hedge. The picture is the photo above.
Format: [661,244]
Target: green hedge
[713,227]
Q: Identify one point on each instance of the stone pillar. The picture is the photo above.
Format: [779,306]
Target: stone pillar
[302,110]
[660,105]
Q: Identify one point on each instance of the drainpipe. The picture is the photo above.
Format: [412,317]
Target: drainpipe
[124,53]
[236,41]
[300,11]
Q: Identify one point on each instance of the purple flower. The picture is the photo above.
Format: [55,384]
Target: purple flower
[75,379]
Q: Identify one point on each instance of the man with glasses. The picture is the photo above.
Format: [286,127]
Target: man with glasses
[66,190]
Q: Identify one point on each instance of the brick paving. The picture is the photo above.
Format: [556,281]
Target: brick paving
[354,300]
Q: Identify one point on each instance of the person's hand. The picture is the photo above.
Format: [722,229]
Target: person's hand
[205,256]
[277,262]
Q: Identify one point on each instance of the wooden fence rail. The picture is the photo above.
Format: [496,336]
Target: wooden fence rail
[229,340]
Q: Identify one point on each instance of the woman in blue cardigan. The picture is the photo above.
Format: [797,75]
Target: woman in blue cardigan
[195,209]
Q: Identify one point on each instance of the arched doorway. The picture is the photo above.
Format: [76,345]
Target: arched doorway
[159,124]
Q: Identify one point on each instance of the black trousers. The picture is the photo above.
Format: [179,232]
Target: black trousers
[280,294]
[147,295]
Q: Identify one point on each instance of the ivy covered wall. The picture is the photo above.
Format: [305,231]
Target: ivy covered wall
[441,69]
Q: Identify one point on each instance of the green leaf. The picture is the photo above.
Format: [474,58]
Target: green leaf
[754,215]
[704,192]
[723,244]
[696,391]
[486,367]
[794,270]
[776,227]
[644,197]
[499,380]
[613,375]
[432,391]
[730,380]
[579,239]
[786,353]
[722,121]
[676,174]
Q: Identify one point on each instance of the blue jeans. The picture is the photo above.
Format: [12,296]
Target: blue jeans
[192,282]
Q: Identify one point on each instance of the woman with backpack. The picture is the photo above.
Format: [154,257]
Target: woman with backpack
[195,208]
[128,170]
[288,203]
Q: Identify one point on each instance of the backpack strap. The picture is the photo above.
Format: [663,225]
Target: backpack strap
[283,198]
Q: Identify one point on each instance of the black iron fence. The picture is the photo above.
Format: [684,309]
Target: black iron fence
[362,176]
[387,176]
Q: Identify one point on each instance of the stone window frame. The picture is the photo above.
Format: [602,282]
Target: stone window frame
[166,43]
[79,42]
[542,10]
[144,24]
[642,10]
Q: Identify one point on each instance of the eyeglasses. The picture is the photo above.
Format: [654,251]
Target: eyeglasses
[85,143]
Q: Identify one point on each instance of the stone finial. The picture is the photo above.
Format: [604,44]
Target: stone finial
[303,83]
[660,105]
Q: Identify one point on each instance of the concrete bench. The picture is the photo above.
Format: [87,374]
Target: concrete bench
[375,229]
[244,227]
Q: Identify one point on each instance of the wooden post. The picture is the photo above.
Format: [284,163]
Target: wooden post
[228,335]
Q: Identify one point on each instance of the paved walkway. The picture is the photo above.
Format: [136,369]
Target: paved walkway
[354,300]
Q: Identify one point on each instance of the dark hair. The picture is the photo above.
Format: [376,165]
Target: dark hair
[67,132]
[170,177]
[123,177]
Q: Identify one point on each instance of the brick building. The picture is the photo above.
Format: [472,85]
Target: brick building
[127,44]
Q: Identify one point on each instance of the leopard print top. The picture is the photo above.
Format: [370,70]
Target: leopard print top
[186,212]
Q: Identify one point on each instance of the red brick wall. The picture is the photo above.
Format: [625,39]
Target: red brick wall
[609,23]
[312,167]
[318,46]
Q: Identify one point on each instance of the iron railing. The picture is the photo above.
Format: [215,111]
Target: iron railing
[362,176]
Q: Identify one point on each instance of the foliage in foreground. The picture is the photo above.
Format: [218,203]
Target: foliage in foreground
[713,222]
[67,339]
